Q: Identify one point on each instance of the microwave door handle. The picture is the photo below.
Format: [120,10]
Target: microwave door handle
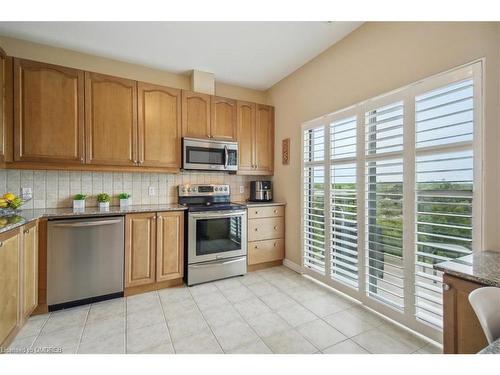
[226,157]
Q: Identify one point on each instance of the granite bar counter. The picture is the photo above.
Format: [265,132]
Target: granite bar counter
[23,217]
[482,267]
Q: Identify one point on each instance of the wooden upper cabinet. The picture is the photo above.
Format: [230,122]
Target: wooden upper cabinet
[195,114]
[140,249]
[223,121]
[246,135]
[264,139]
[110,120]
[48,113]
[6,97]
[170,245]
[159,110]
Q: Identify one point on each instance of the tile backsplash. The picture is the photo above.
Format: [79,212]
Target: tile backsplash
[53,189]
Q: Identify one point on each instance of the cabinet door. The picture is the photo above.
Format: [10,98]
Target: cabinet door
[140,240]
[170,245]
[246,136]
[110,120]
[9,281]
[462,332]
[264,139]
[30,269]
[195,115]
[48,113]
[159,111]
[223,122]
[6,97]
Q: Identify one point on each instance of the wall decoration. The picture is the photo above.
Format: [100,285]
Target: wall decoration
[285,151]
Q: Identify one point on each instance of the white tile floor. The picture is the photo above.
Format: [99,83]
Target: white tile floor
[270,311]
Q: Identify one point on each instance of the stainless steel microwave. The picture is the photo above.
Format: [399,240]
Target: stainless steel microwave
[203,154]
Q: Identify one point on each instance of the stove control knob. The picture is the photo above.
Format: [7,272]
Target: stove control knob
[225,188]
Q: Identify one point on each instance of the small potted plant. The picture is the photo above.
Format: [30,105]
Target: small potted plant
[103,200]
[79,202]
[124,199]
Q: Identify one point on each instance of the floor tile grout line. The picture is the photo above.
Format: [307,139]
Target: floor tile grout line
[40,331]
[203,316]
[83,329]
[166,323]
[246,321]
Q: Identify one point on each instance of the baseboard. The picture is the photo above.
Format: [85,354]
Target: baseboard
[293,266]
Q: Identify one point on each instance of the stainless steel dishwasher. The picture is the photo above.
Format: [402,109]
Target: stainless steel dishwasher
[85,260]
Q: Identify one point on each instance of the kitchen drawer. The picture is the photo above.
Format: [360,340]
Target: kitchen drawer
[265,251]
[266,229]
[265,211]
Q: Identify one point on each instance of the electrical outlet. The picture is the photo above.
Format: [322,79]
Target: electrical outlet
[152,191]
[26,193]
[242,189]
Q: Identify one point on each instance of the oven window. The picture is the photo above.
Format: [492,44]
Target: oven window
[201,155]
[218,235]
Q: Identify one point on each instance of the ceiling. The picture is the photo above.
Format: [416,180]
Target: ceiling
[248,54]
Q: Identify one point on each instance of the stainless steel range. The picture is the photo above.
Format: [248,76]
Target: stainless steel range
[216,236]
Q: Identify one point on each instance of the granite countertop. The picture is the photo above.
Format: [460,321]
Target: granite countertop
[23,217]
[261,204]
[482,267]
[493,348]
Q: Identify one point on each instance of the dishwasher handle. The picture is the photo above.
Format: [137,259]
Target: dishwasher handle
[86,223]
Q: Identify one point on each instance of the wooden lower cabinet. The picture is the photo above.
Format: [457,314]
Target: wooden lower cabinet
[30,269]
[169,245]
[140,249]
[9,285]
[462,332]
[154,248]
[266,235]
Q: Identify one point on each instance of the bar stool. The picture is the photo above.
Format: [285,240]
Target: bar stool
[486,304]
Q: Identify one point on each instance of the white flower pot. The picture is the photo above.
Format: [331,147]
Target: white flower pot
[79,205]
[103,206]
[124,203]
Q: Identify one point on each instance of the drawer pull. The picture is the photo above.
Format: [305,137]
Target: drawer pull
[256,229]
[275,244]
[275,211]
[1,244]
[256,212]
[26,231]
[275,227]
[255,247]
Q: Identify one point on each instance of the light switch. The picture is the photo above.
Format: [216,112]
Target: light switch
[26,193]
[152,191]
[242,189]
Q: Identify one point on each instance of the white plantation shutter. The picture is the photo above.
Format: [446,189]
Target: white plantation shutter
[444,127]
[314,200]
[391,186]
[343,203]
[384,231]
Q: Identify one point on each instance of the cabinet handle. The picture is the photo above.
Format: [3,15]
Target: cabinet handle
[256,212]
[1,244]
[275,211]
[275,244]
[256,229]
[255,247]
[275,227]
[446,287]
[26,231]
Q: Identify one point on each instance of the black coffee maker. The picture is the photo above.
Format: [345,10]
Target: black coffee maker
[261,191]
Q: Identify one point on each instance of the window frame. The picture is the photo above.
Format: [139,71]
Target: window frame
[407,94]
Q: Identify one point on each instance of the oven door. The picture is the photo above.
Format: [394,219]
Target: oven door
[209,155]
[216,235]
